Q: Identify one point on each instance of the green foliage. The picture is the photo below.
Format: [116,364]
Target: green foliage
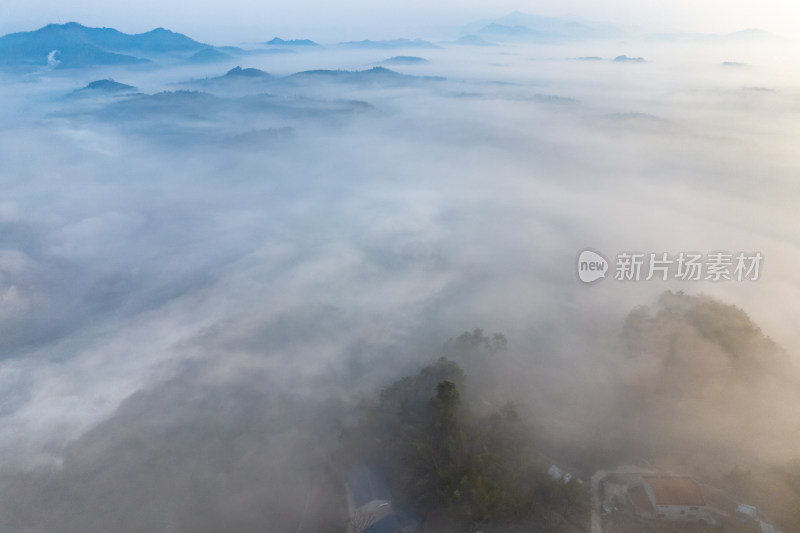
[447,401]
[443,458]
[409,397]
[724,325]
[476,344]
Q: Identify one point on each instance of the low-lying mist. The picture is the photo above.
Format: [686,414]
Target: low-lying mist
[203,278]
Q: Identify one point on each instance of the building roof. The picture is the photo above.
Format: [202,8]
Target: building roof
[640,501]
[387,524]
[669,490]
[367,484]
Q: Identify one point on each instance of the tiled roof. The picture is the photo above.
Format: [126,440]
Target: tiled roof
[669,490]
[640,500]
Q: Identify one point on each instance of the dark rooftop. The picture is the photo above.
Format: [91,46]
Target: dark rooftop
[367,484]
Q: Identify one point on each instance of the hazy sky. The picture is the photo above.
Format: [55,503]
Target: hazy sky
[247,20]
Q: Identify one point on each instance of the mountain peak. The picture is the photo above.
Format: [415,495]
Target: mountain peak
[246,73]
[405,60]
[66,26]
[753,34]
[277,41]
[392,43]
[107,86]
[161,31]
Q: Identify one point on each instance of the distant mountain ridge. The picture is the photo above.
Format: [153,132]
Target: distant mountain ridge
[518,26]
[375,75]
[404,60]
[750,35]
[208,55]
[79,45]
[239,72]
[108,85]
[523,27]
[472,40]
[626,59]
[255,81]
[277,41]
[393,43]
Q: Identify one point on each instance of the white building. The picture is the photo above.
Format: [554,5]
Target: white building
[559,475]
[749,510]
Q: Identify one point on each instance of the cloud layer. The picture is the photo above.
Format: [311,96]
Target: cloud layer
[192,292]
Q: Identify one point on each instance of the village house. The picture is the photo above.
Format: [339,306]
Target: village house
[369,502]
[668,497]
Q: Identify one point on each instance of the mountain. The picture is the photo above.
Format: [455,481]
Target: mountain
[292,42]
[106,86]
[208,55]
[233,50]
[751,35]
[376,75]
[251,73]
[165,104]
[394,43]
[191,118]
[73,55]
[60,55]
[78,46]
[251,81]
[472,40]
[158,40]
[626,59]
[405,60]
[511,31]
[237,81]
[518,26]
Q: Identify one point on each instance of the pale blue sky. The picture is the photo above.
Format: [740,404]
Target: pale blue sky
[251,20]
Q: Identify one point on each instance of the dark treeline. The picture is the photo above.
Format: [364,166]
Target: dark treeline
[456,464]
